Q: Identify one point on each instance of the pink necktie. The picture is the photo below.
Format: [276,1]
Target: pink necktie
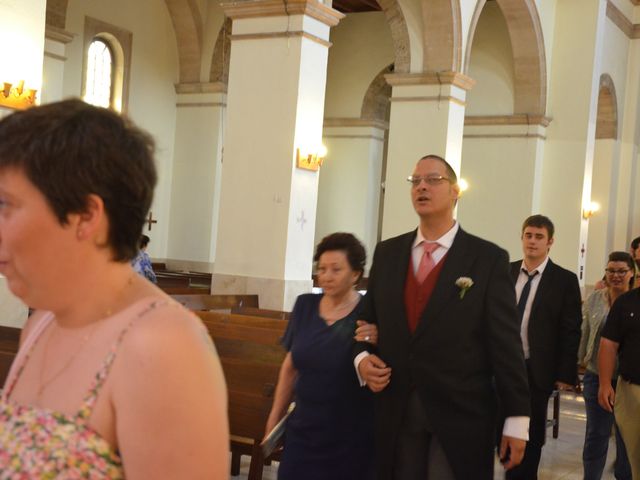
[426,262]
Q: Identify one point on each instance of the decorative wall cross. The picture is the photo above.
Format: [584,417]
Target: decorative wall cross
[150,221]
[301,220]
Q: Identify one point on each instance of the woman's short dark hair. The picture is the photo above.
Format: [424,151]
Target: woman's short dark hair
[144,241]
[70,150]
[347,243]
[628,259]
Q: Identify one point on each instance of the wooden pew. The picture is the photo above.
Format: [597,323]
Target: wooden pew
[185,290]
[261,312]
[173,278]
[9,344]
[216,302]
[251,355]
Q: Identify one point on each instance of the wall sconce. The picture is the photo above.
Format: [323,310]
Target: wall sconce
[589,210]
[463,185]
[310,161]
[17,97]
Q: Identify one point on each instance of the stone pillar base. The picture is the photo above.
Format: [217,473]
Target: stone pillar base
[274,294]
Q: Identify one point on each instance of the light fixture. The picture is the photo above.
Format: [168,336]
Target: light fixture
[589,210]
[463,185]
[17,97]
[310,161]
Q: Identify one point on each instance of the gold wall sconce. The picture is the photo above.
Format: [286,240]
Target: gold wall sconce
[589,210]
[310,161]
[16,96]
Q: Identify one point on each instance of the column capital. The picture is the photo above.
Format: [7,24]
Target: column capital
[209,87]
[276,8]
[430,78]
[58,34]
[516,119]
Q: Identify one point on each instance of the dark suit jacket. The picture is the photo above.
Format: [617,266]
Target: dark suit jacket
[464,355]
[554,326]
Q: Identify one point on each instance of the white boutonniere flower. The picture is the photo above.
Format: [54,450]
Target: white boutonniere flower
[464,284]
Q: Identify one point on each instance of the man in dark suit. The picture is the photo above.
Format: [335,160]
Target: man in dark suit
[448,344]
[549,306]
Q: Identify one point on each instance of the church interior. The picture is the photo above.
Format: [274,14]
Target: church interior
[278,122]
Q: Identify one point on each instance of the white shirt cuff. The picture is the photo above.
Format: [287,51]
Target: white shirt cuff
[356,362]
[516,427]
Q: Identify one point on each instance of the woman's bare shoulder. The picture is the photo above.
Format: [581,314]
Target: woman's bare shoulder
[32,320]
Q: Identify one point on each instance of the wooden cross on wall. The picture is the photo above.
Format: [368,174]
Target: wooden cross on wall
[150,221]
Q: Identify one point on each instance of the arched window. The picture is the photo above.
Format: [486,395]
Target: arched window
[107,60]
[100,74]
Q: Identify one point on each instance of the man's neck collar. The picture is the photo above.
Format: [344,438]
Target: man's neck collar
[432,230]
[531,265]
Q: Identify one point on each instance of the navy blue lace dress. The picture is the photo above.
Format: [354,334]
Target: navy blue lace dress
[329,436]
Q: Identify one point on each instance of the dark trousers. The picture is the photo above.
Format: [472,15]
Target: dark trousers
[528,469]
[419,455]
[597,434]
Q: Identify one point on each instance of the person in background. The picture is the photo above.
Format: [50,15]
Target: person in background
[620,338]
[329,434]
[619,276]
[113,379]
[549,306]
[142,263]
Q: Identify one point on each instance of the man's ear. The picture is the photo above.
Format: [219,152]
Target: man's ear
[550,242]
[90,223]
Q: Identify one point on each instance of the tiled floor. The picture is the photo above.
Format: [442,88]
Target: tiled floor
[561,457]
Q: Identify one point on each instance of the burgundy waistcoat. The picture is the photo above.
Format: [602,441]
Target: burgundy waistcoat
[416,296]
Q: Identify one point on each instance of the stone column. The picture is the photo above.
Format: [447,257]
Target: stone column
[349,192]
[502,162]
[277,77]
[568,163]
[601,225]
[427,116]
[195,188]
[55,45]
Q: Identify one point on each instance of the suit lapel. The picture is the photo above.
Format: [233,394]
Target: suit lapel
[401,258]
[544,288]
[457,264]
[515,270]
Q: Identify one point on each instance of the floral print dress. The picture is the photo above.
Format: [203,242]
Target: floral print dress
[37,443]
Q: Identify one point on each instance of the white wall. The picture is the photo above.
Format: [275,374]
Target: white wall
[22,33]
[152,98]
[22,36]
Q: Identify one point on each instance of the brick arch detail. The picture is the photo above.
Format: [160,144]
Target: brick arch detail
[187,23]
[376,102]
[442,35]
[607,119]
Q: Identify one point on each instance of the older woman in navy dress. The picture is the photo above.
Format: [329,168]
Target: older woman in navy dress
[329,434]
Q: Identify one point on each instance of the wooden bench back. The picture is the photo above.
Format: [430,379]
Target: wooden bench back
[261,312]
[215,302]
[251,356]
[9,344]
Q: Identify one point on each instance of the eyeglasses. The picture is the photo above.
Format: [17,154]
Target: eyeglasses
[431,180]
[611,271]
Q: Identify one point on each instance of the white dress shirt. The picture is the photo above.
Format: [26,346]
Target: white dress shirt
[517,427]
[522,280]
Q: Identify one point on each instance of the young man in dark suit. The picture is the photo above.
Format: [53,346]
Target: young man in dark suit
[448,344]
[549,306]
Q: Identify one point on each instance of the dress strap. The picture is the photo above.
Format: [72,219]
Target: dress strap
[90,399]
[24,353]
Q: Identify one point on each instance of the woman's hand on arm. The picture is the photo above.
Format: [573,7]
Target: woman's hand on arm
[366,332]
[170,402]
[284,393]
